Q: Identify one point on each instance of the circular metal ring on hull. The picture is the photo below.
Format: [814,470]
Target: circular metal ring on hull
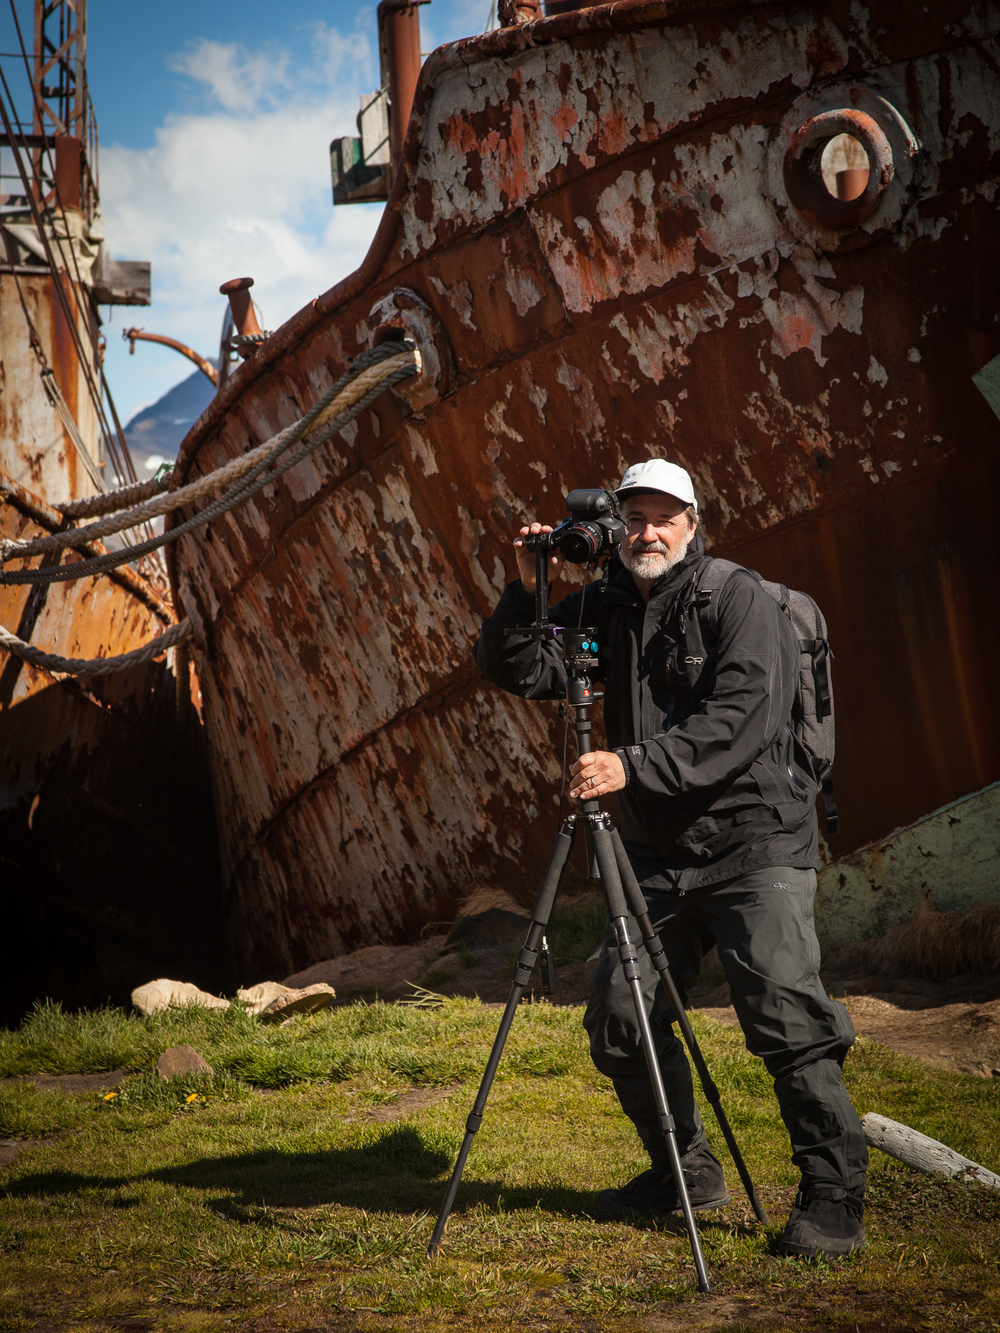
[795,177]
[404,314]
[803,173]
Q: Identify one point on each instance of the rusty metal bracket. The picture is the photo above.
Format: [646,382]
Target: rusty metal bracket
[404,314]
[132,335]
[810,211]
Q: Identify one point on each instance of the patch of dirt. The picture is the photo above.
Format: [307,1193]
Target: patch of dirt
[72,1082]
[414,1100]
[9,1149]
[952,1024]
[960,1035]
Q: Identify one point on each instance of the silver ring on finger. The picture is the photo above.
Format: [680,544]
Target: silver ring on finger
[592,782]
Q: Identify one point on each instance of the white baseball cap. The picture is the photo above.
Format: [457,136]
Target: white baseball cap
[658,475]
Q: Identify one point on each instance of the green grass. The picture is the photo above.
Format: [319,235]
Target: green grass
[293,1190]
[577,927]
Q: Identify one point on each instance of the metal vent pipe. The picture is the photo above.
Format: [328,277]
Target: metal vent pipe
[399,49]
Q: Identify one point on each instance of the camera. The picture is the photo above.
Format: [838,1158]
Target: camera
[594,528]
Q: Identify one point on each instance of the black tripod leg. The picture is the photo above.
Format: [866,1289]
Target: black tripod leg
[522,975]
[618,911]
[658,957]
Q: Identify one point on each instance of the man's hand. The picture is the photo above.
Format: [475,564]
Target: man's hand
[526,558]
[596,774]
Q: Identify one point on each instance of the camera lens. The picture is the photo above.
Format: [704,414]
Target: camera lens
[582,543]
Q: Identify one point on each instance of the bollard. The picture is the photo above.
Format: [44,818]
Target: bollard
[244,316]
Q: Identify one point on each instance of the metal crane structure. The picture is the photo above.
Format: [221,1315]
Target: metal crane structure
[58,443]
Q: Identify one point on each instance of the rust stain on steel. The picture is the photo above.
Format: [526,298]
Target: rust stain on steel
[88,618]
[613,223]
[35,450]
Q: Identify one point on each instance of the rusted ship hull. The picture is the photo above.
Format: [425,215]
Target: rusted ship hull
[109,861]
[612,224]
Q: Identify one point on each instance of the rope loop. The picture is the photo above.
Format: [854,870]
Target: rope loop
[96,666]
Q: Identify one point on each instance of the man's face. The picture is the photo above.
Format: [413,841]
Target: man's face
[658,535]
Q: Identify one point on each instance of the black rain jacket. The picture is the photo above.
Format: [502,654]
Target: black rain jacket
[698,708]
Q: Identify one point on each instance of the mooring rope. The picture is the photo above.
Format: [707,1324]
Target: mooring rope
[349,390]
[352,393]
[109,502]
[95,666]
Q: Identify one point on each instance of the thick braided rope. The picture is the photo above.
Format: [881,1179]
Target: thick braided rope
[389,373]
[97,666]
[345,393]
[111,501]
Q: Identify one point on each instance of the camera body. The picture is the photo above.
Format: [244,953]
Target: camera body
[594,528]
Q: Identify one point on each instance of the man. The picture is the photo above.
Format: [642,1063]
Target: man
[719,821]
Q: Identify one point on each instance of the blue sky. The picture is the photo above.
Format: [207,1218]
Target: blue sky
[215,122]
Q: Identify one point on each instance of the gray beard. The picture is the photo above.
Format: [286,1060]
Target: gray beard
[651,562]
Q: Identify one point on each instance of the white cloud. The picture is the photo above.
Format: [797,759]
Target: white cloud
[234,78]
[242,187]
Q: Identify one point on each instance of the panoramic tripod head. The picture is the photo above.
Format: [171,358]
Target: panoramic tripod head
[579,646]
[579,651]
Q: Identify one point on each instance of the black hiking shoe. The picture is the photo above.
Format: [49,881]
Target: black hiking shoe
[824,1228]
[655,1195]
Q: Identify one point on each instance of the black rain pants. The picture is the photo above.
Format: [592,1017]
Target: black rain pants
[763,925]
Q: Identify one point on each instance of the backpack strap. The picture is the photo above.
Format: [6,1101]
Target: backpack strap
[707,583]
[830,815]
[821,653]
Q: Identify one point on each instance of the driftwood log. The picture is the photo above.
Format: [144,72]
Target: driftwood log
[926,1154]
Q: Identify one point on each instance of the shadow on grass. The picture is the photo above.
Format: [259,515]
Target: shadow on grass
[398,1173]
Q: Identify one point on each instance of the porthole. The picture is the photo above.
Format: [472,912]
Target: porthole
[805,181]
[841,166]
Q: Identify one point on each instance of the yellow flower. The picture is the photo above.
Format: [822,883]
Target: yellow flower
[109,1096]
[192,1098]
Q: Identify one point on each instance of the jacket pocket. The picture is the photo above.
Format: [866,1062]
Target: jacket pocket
[778,777]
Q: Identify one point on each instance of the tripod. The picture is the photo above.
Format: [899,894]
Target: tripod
[622,896]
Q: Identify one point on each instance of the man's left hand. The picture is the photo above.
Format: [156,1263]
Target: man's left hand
[596,774]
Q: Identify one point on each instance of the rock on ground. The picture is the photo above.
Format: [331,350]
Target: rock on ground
[257,998]
[177,1060]
[162,994]
[390,970]
[306,1000]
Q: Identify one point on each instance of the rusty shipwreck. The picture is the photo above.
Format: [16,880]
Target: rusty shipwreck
[612,232]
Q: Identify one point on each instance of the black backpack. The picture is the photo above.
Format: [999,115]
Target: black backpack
[812,712]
